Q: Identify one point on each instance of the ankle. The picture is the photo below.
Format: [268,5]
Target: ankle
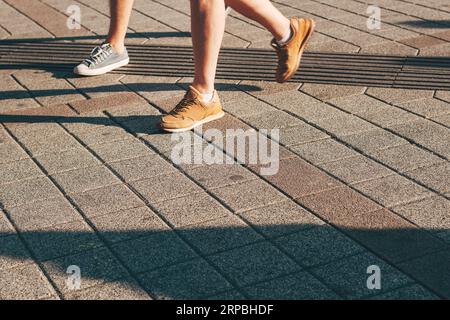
[118,46]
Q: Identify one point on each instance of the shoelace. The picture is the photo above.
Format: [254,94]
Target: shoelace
[99,54]
[183,105]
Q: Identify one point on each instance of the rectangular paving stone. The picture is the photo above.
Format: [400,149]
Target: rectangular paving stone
[300,286]
[19,170]
[272,119]
[392,190]
[189,280]
[356,169]
[436,177]
[318,245]
[6,228]
[220,175]
[395,95]
[27,191]
[432,271]
[406,157]
[59,240]
[42,214]
[121,150]
[165,187]
[248,195]
[373,140]
[142,167]
[155,251]
[344,124]
[220,235]
[104,103]
[76,158]
[25,283]
[107,199]
[129,224]
[298,178]
[300,134]
[427,107]
[97,266]
[390,116]
[13,252]
[349,276]
[11,151]
[281,219]
[323,151]
[431,214]
[121,289]
[191,209]
[330,91]
[254,263]
[85,179]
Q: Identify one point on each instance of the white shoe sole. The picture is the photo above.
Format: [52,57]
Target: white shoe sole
[196,124]
[96,72]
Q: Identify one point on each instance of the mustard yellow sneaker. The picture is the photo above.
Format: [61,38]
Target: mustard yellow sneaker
[290,54]
[192,112]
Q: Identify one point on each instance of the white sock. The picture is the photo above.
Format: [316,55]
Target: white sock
[207,97]
[286,38]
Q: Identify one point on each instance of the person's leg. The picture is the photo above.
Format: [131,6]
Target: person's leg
[120,16]
[207,28]
[263,12]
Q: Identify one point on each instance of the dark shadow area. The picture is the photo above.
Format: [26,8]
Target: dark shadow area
[168,268]
[242,64]
[435,24]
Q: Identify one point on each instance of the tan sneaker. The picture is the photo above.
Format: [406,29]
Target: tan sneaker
[191,112]
[290,54]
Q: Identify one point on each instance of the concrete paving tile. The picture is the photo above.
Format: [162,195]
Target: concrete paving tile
[390,116]
[431,270]
[411,292]
[142,126]
[107,199]
[220,175]
[254,263]
[431,214]
[19,170]
[300,134]
[330,91]
[349,276]
[97,130]
[191,209]
[359,104]
[444,120]
[427,107]
[248,195]
[301,286]
[24,283]
[389,48]
[166,142]
[373,140]
[392,190]
[323,151]
[344,124]
[27,191]
[394,95]
[406,157]
[280,219]
[6,228]
[96,267]
[220,235]
[43,214]
[356,169]
[84,179]
[121,289]
[11,152]
[436,177]
[444,95]
[129,224]
[422,42]
[318,245]
[13,252]
[72,159]
[159,250]
[189,280]
[242,104]
[165,187]
[298,178]
[141,168]
[121,150]
[60,240]
[272,119]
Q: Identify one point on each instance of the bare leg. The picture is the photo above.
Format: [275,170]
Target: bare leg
[263,12]
[120,16]
[207,27]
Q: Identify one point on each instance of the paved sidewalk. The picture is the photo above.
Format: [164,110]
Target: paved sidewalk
[86,177]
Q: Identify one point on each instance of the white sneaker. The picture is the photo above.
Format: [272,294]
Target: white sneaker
[102,59]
